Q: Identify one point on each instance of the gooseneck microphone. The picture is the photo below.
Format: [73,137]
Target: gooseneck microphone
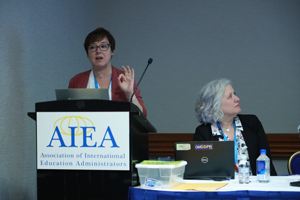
[149,62]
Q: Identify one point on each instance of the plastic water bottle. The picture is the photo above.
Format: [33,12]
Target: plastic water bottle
[263,167]
[244,172]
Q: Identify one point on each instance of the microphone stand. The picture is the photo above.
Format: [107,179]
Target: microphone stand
[149,62]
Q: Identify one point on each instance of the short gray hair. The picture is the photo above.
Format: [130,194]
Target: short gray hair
[208,103]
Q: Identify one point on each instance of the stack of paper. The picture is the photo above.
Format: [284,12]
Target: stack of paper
[199,186]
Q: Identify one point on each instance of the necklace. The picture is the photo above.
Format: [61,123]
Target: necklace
[224,128]
[103,76]
[227,129]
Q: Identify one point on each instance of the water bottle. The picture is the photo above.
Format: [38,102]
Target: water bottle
[263,167]
[244,172]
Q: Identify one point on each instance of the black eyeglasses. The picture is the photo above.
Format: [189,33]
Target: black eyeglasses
[102,47]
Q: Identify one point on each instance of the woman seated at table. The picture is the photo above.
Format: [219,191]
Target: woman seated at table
[100,46]
[217,110]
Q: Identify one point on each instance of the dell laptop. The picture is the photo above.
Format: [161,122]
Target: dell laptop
[207,160]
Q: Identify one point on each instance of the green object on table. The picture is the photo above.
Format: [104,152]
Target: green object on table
[154,162]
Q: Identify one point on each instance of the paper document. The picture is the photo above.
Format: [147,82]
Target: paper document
[199,186]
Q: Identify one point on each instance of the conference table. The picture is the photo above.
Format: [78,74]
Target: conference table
[278,188]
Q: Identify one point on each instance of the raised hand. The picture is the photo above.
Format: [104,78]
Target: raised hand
[126,81]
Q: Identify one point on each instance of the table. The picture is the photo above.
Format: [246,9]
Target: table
[278,188]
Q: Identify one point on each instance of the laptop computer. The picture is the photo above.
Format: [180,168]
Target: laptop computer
[207,160]
[81,93]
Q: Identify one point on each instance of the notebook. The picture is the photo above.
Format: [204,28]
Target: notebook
[208,160]
[82,93]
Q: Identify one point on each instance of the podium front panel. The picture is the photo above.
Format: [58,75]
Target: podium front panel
[83,141]
[79,127]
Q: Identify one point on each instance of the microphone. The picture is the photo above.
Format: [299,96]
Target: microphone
[299,130]
[149,62]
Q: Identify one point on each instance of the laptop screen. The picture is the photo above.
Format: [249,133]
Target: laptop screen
[81,93]
[207,159]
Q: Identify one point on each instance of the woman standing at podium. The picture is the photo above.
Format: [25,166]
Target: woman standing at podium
[217,109]
[100,46]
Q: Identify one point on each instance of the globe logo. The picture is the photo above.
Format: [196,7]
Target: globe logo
[73,121]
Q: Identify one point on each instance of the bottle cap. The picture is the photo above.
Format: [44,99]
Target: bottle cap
[262,151]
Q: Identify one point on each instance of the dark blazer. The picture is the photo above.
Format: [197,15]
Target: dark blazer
[253,134]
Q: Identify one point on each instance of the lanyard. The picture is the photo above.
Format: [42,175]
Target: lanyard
[96,83]
[235,142]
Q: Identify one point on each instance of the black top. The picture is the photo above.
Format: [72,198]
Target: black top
[253,134]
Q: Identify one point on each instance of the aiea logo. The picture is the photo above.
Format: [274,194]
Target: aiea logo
[81,128]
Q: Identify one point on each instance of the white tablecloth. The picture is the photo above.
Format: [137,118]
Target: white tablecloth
[277,183]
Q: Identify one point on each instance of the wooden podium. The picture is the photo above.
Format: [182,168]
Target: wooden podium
[61,176]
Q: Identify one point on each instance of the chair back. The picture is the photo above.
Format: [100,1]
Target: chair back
[294,163]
